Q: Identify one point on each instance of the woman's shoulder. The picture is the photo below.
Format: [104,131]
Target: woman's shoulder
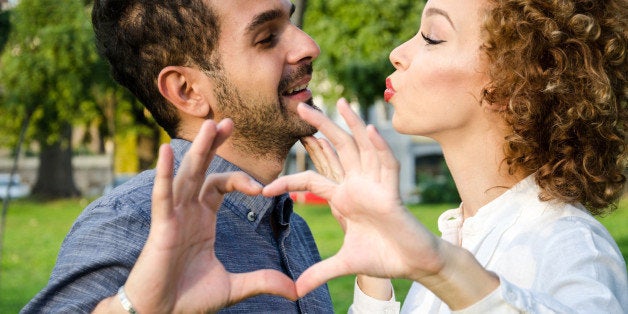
[557,241]
[566,230]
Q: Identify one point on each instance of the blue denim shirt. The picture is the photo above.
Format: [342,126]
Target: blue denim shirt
[106,239]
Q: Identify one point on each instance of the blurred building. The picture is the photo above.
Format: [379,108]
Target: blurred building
[7,4]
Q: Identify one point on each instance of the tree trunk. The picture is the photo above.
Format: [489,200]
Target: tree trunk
[299,13]
[55,175]
[148,148]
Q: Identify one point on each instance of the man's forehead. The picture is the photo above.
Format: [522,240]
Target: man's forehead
[243,14]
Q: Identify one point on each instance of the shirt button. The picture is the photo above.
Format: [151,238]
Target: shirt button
[251,216]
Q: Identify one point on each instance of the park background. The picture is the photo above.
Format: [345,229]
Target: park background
[69,131]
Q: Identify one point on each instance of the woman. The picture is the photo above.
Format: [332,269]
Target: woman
[528,101]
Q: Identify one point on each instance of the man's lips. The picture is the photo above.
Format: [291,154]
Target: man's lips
[390,90]
[297,87]
[298,91]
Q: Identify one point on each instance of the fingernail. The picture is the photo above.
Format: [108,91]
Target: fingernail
[255,183]
[222,122]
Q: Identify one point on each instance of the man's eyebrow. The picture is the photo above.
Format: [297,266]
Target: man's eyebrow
[437,11]
[266,17]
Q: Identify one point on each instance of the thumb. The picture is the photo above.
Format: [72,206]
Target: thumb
[303,181]
[265,281]
[320,273]
[218,184]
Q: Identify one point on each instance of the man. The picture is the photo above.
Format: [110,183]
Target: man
[190,61]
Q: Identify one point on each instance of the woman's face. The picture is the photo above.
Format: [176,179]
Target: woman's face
[437,87]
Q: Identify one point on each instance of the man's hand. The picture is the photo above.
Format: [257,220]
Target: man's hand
[177,270]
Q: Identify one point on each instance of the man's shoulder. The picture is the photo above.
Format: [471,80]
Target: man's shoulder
[130,199]
[136,188]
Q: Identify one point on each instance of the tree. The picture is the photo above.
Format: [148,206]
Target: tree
[5,27]
[356,37]
[46,78]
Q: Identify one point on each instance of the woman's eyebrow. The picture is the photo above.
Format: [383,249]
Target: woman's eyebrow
[437,11]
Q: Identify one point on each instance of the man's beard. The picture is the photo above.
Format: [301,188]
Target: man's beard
[263,125]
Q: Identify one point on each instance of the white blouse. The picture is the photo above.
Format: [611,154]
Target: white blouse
[550,257]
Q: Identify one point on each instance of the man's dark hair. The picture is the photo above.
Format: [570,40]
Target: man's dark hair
[141,37]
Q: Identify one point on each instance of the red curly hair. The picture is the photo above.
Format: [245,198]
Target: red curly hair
[561,67]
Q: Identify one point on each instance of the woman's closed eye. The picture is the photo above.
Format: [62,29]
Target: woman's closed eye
[431,41]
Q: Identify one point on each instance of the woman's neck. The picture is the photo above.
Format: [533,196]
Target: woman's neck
[479,170]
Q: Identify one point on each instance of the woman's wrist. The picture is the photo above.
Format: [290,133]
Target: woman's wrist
[462,281]
[377,288]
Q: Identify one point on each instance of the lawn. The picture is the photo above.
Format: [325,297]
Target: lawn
[34,232]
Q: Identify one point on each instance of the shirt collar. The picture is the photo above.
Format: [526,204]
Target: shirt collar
[247,206]
[500,213]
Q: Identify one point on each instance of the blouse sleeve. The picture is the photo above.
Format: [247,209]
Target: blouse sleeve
[363,303]
[508,298]
[578,270]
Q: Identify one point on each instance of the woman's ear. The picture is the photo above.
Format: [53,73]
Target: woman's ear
[186,89]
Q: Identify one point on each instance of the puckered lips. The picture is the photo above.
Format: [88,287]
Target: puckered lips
[390,90]
[299,91]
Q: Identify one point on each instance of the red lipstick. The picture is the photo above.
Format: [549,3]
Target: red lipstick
[390,90]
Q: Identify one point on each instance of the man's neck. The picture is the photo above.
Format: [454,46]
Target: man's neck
[264,167]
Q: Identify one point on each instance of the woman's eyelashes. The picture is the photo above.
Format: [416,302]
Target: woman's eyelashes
[431,41]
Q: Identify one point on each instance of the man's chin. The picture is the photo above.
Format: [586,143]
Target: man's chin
[310,129]
[305,130]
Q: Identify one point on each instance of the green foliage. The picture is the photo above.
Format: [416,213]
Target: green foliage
[47,68]
[50,71]
[356,37]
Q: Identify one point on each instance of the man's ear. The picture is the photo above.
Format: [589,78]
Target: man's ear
[185,88]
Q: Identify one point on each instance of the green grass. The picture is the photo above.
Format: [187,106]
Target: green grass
[34,232]
[32,238]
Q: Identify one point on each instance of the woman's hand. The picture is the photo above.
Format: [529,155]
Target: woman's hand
[177,270]
[327,163]
[382,238]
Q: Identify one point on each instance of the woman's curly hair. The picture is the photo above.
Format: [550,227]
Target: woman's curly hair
[559,68]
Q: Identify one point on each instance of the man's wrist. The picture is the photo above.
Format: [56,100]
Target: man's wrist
[124,300]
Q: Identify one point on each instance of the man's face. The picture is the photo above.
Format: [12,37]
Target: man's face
[265,67]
